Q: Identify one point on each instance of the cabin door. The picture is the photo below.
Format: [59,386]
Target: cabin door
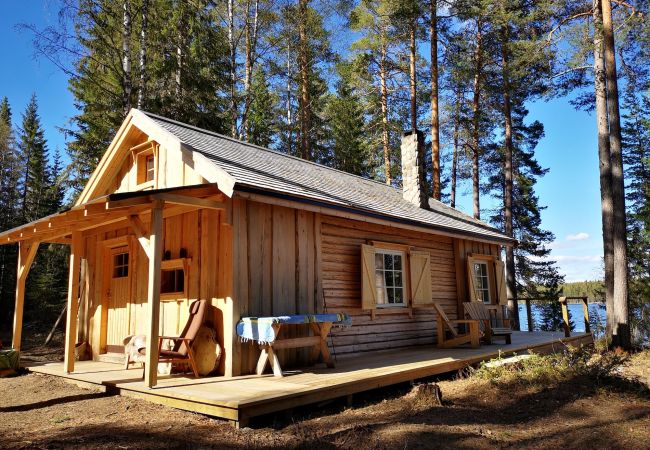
[117,297]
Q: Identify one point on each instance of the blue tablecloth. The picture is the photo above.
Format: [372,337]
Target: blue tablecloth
[261,328]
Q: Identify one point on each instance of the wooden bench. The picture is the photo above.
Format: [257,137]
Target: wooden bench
[266,330]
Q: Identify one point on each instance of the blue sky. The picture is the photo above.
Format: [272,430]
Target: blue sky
[570,190]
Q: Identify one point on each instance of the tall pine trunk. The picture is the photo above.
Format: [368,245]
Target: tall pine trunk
[604,158]
[142,86]
[454,161]
[289,115]
[305,102]
[621,335]
[251,48]
[476,103]
[413,74]
[384,112]
[435,123]
[126,57]
[232,46]
[511,285]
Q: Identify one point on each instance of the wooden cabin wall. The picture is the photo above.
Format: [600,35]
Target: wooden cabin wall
[275,269]
[341,264]
[197,232]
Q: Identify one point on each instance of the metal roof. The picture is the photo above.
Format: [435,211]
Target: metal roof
[261,169]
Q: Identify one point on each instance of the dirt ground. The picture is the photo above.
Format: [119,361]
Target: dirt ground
[38,411]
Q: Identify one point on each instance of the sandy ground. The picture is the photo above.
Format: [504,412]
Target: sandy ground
[39,411]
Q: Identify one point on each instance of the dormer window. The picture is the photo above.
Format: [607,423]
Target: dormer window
[145,162]
[149,168]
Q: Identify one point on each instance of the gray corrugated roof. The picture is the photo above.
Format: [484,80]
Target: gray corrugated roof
[259,168]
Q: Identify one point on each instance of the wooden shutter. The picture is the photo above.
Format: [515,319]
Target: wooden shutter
[471,283]
[420,271]
[500,277]
[368,289]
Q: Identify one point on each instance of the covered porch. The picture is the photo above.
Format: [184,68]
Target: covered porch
[239,398]
[143,214]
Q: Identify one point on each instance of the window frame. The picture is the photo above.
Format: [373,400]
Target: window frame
[404,267]
[173,265]
[141,154]
[488,288]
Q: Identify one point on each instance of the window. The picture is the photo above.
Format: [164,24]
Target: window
[172,281]
[481,281]
[149,168]
[389,277]
[145,161]
[120,265]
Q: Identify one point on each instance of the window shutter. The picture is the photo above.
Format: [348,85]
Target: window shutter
[471,283]
[420,268]
[500,276]
[368,289]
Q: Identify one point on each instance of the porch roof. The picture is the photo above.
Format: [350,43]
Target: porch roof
[57,228]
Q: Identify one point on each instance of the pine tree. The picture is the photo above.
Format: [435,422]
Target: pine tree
[636,157]
[346,125]
[261,117]
[35,179]
[9,208]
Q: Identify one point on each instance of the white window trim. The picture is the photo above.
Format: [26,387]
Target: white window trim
[386,251]
[487,279]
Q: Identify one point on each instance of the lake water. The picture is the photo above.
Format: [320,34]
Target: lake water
[596,315]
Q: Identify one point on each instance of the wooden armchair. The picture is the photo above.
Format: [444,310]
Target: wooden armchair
[492,319]
[457,339]
[181,351]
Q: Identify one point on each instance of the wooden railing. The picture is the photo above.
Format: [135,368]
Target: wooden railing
[565,313]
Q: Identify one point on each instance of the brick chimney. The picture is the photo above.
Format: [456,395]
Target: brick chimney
[414,180]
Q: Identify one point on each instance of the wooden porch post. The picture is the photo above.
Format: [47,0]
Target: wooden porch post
[26,254]
[153,292]
[76,251]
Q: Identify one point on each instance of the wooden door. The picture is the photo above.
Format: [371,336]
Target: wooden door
[118,297]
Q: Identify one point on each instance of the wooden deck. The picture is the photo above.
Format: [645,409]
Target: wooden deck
[239,398]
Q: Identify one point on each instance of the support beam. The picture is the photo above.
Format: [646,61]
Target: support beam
[76,252]
[26,254]
[140,234]
[153,293]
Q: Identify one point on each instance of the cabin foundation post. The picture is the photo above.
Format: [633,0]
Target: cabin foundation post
[76,251]
[153,293]
[26,254]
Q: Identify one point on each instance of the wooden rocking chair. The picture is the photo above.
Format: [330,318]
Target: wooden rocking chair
[493,322]
[182,348]
[457,339]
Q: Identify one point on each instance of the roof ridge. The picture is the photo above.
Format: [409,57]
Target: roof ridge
[259,147]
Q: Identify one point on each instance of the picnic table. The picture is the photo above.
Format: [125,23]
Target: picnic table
[265,331]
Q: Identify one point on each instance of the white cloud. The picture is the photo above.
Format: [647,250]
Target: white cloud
[577,268]
[582,236]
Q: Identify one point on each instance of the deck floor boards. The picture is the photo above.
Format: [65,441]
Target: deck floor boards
[239,398]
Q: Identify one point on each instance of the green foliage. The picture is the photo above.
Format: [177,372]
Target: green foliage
[262,114]
[592,289]
[345,118]
[547,370]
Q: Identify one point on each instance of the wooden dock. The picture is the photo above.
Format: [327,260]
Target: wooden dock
[239,398]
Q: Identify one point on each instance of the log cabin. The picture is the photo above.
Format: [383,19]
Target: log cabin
[175,213]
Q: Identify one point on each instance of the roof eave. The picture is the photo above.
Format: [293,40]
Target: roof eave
[501,240]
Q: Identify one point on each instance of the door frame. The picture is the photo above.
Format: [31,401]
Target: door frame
[106,248]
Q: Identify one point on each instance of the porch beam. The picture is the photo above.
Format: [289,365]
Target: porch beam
[191,201]
[26,253]
[76,252]
[153,293]
[140,233]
